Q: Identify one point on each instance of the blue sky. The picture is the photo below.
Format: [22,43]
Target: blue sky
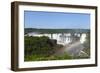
[56,20]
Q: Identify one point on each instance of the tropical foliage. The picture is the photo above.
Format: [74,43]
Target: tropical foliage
[41,48]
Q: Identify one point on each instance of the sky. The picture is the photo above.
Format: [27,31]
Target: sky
[56,20]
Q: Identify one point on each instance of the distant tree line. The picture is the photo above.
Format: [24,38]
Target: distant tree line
[28,30]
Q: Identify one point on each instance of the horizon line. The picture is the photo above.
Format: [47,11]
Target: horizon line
[58,28]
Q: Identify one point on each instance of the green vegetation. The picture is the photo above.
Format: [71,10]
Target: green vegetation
[28,30]
[45,58]
[42,48]
[87,45]
[37,45]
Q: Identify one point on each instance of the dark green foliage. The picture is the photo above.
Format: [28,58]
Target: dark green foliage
[42,48]
[37,45]
[43,58]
